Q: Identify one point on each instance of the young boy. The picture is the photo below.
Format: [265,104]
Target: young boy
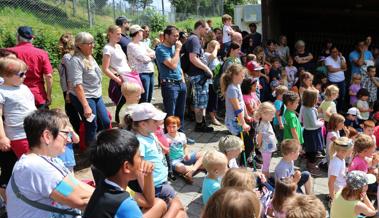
[368,129]
[328,106]
[132,94]
[305,206]
[278,119]
[216,165]
[117,156]
[275,71]
[352,118]
[290,150]
[371,83]
[182,160]
[227,32]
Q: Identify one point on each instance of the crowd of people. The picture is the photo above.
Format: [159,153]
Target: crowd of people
[272,100]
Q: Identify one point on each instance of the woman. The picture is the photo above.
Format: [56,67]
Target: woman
[41,177]
[141,59]
[85,89]
[352,200]
[302,57]
[114,66]
[232,56]
[283,50]
[336,65]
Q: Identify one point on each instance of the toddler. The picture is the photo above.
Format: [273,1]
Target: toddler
[132,94]
[328,106]
[362,103]
[227,31]
[279,119]
[354,88]
[216,165]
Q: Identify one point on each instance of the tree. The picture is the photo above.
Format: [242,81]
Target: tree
[144,3]
[100,3]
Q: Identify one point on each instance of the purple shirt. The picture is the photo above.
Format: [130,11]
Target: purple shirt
[353,98]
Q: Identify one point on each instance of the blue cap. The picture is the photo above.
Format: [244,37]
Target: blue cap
[25,32]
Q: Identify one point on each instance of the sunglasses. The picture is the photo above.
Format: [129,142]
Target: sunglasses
[21,74]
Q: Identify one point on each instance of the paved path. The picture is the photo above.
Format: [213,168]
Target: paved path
[191,194]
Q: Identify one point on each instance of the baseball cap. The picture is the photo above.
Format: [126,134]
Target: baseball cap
[253,66]
[135,28]
[357,179]
[25,32]
[121,20]
[354,111]
[147,111]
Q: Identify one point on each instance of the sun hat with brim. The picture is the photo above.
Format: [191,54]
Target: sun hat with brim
[147,111]
[135,28]
[344,142]
[358,179]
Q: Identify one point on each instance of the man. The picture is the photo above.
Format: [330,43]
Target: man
[171,76]
[146,34]
[123,23]
[360,58]
[39,68]
[237,38]
[252,40]
[199,74]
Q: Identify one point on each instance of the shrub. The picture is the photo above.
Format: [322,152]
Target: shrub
[153,19]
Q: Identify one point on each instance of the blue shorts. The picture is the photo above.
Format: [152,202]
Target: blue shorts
[165,192]
[199,92]
[305,176]
[191,161]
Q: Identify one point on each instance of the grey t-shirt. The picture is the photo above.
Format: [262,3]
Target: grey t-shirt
[18,102]
[284,169]
[232,91]
[36,177]
[63,71]
[86,73]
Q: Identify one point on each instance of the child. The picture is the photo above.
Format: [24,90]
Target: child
[285,189]
[216,165]
[284,78]
[279,119]
[132,94]
[306,80]
[290,149]
[232,202]
[305,206]
[368,129]
[231,146]
[335,125]
[352,119]
[292,127]
[227,31]
[363,159]
[182,160]
[371,83]
[352,201]
[320,83]
[266,138]
[239,177]
[362,103]
[145,120]
[328,106]
[116,156]
[249,92]
[354,88]
[312,130]
[275,71]
[291,73]
[340,149]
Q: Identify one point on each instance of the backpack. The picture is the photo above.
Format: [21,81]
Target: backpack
[184,59]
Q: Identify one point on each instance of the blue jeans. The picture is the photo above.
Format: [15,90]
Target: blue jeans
[101,120]
[342,93]
[147,80]
[174,99]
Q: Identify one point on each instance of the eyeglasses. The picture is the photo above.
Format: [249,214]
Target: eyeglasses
[67,134]
[21,74]
[89,43]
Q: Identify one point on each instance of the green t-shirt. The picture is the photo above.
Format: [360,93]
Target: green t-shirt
[292,122]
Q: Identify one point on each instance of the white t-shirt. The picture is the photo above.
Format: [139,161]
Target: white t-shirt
[337,167]
[364,105]
[117,58]
[226,36]
[338,76]
[233,163]
[329,137]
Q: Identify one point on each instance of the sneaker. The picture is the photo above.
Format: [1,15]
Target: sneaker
[190,141]
[201,127]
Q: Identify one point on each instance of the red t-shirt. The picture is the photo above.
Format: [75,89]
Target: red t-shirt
[38,64]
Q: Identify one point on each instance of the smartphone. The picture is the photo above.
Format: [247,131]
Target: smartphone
[90,118]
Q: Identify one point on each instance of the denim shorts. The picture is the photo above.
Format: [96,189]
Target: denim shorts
[165,192]
[191,161]
[200,92]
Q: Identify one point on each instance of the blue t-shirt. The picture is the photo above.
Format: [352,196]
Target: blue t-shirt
[354,55]
[210,186]
[124,41]
[151,151]
[128,209]
[163,53]
[284,169]
[278,104]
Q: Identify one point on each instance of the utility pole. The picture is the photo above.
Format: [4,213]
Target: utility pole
[89,13]
[163,7]
[114,10]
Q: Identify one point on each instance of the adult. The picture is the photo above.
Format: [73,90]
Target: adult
[218,33]
[360,58]
[173,86]
[232,56]
[270,51]
[326,49]
[283,50]
[253,40]
[146,35]
[336,65]
[123,23]
[39,67]
[40,176]
[237,38]
[85,87]
[199,73]
[302,57]
[115,65]
[141,59]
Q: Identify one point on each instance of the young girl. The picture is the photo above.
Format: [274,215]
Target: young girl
[335,125]
[306,80]
[312,129]
[266,138]
[285,189]
[292,126]
[340,149]
[239,177]
[279,119]
[362,103]
[236,113]
[291,73]
[249,92]
[284,78]
[328,107]
[354,88]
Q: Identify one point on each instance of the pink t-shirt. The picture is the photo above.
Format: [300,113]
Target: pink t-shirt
[252,100]
[359,164]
